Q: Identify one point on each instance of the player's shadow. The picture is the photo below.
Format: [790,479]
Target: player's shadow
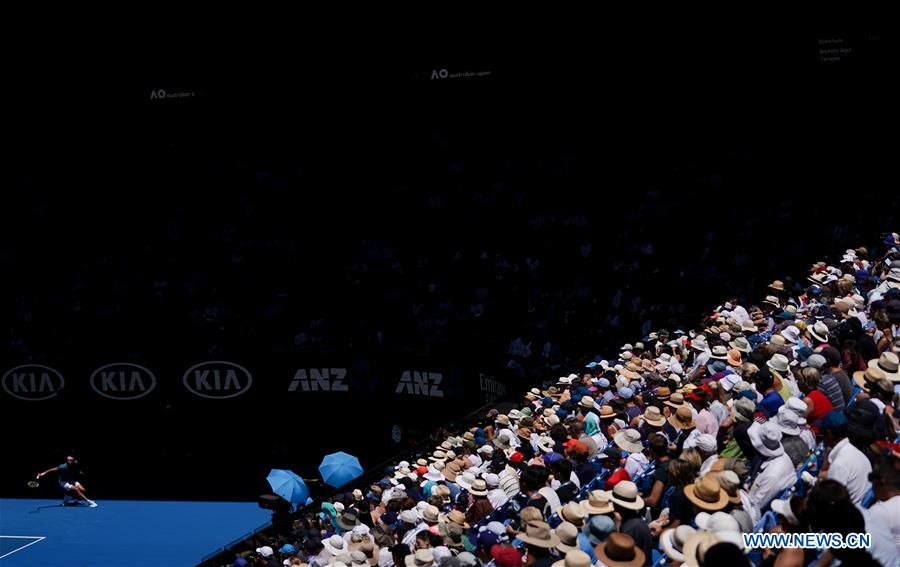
[62,505]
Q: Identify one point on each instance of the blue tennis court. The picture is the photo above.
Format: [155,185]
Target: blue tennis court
[120,532]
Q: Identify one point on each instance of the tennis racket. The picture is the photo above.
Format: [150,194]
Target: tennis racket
[33,484]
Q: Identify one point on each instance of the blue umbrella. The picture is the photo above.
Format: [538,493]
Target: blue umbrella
[337,469]
[288,485]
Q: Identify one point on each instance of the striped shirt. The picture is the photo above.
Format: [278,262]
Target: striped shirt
[829,386]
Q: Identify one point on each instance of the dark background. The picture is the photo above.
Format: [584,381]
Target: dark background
[294,210]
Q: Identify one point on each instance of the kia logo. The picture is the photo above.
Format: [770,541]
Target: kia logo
[123,381]
[217,379]
[33,382]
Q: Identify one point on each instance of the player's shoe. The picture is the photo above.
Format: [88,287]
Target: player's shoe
[92,504]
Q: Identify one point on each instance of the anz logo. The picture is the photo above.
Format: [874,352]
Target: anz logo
[33,382]
[217,380]
[420,383]
[315,379]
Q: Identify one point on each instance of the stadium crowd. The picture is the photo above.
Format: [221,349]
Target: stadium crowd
[777,416]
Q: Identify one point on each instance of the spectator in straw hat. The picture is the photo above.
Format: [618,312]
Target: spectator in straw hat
[706,495]
[539,540]
[628,504]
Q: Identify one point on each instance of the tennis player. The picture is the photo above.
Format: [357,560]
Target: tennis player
[68,479]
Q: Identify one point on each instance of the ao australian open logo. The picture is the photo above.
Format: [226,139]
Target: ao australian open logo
[217,379]
[123,381]
[33,382]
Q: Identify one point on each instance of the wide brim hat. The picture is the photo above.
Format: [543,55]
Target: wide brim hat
[754,432]
[697,542]
[812,331]
[636,504]
[326,543]
[656,422]
[549,543]
[621,439]
[679,424]
[672,404]
[607,553]
[342,521]
[667,541]
[597,506]
[721,501]
[475,490]
[456,517]
[887,363]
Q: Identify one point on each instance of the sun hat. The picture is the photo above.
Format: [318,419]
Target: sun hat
[697,545]
[625,494]
[629,440]
[478,488]
[706,494]
[676,400]
[673,540]
[889,363]
[868,376]
[574,513]
[539,534]
[348,520]
[719,352]
[434,473]
[683,418]
[701,441]
[336,545]
[421,558]
[619,550]
[466,480]
[568,537]
[779,363]
[598,502]
[653,416]
[734,358]
[819,331]
[455,517]
[766,438]
[787,421]
[743,409]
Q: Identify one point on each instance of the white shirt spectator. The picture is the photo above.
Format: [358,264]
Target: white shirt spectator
[888,514]
[884,549]
[635,464]
[552,499]
[878,403]
[849,466]
[775,475]
[497,497]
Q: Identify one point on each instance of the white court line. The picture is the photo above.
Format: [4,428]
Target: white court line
[35,538]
